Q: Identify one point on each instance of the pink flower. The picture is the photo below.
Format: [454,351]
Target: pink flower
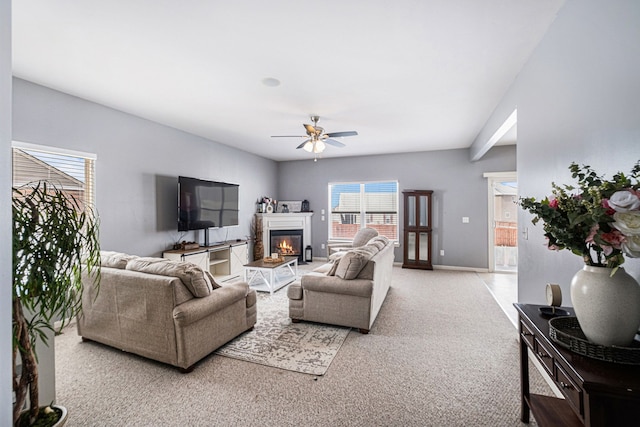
[614,238]
[553,203]
[592,233]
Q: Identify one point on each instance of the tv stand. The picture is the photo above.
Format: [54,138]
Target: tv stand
[225,261]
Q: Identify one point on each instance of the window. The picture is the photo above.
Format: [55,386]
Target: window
[70,170]
[358,205]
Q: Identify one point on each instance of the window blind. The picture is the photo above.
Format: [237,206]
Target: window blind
[357,205]
[73,173]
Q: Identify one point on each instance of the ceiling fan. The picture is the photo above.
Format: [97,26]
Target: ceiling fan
[317,139]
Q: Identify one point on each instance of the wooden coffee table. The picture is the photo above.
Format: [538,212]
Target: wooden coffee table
[271,276]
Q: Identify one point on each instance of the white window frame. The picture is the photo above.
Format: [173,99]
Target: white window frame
[363,213]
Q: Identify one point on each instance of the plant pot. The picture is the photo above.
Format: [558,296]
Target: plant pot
[607,307]
[63,417]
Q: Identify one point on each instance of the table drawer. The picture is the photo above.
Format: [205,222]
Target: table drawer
[527,335]
[544,356]
[570,389]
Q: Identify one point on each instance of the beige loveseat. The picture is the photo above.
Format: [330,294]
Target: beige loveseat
[347,292]
[169,311]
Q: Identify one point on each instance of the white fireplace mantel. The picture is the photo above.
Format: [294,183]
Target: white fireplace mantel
[286,221]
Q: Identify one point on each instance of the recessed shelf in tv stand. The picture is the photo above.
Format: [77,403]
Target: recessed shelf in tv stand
[224,260]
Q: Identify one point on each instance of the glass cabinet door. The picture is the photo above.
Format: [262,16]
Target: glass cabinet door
[417,229]
[411,246]
[411,210]
[424,213]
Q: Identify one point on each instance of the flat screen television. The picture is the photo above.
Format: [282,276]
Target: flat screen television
[206,204]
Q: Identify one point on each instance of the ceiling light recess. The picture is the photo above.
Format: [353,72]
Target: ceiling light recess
[271,82]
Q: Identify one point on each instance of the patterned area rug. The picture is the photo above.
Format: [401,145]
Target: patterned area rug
[275,341]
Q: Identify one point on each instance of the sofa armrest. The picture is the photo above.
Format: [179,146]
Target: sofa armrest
[294,291]
[336,285]
[199,308]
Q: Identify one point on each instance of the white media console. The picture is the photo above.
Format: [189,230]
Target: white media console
[224,261]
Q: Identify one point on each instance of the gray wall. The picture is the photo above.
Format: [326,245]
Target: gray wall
[137,167]
[578,100]
[458,185]
[136,176]
[5,214]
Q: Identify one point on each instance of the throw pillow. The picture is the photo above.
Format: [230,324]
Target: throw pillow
[115,259]
[379,240]
[211,280]
[351,264]
[369,250]
[334,267]
[363,236]
[190,274]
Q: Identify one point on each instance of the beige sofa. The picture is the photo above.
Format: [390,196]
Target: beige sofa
[348,291]
[361,238]
[168,311]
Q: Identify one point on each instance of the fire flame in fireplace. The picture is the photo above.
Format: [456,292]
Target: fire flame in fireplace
[285,248]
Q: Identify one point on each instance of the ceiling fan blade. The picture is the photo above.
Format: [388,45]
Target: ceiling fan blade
[333,142]
[288,136]
[340,134]
[310,129]
[302,145]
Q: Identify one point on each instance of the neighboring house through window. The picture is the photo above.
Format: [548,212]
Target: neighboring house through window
[358,205]
[72,171]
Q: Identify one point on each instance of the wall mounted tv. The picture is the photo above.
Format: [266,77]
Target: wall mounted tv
[206,204]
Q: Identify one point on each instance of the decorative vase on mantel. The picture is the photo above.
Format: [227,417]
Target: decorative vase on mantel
[607,307]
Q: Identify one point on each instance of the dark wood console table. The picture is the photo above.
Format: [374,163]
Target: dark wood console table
[596,393]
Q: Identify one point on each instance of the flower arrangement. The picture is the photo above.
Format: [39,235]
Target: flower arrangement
[598,220]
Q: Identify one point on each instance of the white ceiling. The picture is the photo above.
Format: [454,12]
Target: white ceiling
[408,75]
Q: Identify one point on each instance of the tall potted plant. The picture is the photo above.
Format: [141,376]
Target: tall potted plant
[54,239]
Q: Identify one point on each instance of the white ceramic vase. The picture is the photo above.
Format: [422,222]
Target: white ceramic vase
[607,307]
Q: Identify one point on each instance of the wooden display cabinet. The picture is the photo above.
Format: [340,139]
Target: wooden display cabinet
[417,229]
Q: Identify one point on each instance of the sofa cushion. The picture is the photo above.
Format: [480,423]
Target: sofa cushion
[352,263]
[193,277]
[115,259]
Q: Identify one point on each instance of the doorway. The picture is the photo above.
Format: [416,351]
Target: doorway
[503,221]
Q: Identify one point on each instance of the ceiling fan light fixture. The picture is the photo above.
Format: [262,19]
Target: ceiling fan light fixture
[319,146]
[316,139]
[308,147]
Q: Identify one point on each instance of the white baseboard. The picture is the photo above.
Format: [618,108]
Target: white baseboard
[455,267]
[435,267]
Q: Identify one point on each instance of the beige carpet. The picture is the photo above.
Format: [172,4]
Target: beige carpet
[302,347]
[441,353]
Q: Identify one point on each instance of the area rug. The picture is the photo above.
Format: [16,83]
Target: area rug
[275,341]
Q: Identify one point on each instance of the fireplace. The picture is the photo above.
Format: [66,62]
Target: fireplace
[296,223]
[287,243]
